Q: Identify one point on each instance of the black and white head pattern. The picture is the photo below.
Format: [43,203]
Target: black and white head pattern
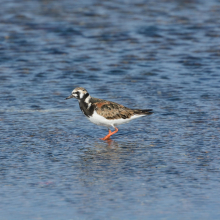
[84,100]
[81,94]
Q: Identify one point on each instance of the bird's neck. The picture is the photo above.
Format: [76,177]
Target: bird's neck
[86,106]
[86,99]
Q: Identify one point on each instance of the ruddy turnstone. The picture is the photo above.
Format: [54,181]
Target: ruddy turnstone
[105,113]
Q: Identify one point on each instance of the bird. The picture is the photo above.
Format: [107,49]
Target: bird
[105,113]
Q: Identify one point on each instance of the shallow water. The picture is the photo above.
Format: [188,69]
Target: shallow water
[163,55]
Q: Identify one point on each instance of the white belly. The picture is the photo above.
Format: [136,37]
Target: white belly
[100,120]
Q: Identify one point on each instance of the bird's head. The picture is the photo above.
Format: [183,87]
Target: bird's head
[79,93]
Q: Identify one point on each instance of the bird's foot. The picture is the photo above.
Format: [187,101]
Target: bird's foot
[107,137]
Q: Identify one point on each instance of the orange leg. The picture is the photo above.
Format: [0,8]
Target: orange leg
[107,137]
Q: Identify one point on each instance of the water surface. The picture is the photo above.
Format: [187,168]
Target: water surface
[163,55]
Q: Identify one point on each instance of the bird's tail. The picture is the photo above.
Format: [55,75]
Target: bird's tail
[143,111]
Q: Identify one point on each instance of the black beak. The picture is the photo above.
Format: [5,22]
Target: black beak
[71,96]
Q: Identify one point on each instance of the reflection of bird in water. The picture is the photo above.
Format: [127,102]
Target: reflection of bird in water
[111,144]
[105,113]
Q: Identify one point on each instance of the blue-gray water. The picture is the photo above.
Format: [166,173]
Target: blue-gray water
[160,54]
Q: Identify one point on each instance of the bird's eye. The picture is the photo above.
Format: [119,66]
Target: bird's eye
[76,94]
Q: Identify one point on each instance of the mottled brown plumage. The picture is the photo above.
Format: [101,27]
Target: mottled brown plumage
[112,110]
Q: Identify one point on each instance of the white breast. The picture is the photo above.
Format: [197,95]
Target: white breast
[100,120]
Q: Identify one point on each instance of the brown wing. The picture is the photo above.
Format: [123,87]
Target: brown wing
[143,111]
[95,100]
[112,110]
